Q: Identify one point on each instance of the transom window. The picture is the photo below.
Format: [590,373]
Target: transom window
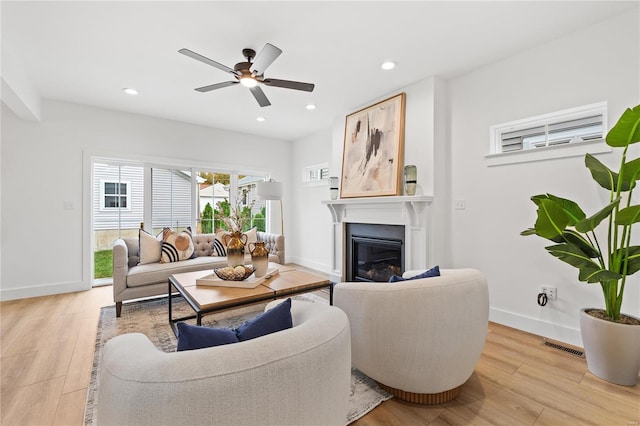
[552,135]
[316,173]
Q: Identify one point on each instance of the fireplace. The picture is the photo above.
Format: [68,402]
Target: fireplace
[374,252]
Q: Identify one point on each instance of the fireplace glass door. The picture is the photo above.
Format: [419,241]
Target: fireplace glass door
[374,252]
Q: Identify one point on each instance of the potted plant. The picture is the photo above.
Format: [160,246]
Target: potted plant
[601,248]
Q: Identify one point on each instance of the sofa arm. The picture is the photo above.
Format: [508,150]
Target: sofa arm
[275,242]
[120,268]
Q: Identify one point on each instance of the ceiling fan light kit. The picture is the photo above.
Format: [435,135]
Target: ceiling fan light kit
[250,74]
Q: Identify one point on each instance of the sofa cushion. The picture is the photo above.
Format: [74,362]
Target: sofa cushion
[433,272]
[150,247]
[252,237]
[203,244]
[276,319]
[154,273]
[176,246]
[197,337]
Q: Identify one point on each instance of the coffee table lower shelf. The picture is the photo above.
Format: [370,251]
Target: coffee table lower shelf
[205,300]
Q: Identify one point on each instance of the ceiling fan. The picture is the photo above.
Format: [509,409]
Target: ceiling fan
[250,74]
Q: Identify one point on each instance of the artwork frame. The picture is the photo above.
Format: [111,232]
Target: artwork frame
[372,161]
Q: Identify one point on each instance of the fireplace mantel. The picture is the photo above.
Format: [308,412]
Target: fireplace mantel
[412,206]
[410,211]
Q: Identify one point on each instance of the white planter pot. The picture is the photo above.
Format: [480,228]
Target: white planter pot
[612,349]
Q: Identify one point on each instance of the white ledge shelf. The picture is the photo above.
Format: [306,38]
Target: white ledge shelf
[413,206]
[382,200]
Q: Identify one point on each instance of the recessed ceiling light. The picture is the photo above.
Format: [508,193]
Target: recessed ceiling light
[130,91]
[261,119]
[310,106]
[388,65]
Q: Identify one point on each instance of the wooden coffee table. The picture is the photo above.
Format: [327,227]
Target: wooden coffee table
[207,299]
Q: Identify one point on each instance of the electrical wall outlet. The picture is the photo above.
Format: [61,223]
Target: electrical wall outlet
[551,292]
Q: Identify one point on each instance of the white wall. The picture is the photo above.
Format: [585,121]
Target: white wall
[599,63]
[310,242]
[44,247]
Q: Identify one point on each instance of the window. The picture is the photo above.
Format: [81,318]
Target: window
[318,173]
[553,135]
[115,195]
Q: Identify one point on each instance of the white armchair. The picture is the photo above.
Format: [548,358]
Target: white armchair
[298,376]
[419,339]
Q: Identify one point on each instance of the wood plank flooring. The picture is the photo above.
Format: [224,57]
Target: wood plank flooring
[47,343]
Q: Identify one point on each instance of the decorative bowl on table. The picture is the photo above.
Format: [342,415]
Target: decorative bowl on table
[229,273]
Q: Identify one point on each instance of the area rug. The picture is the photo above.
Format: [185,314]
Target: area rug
[150,318]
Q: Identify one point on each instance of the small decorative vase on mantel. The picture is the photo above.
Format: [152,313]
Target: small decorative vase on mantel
[235,243]
[259,258]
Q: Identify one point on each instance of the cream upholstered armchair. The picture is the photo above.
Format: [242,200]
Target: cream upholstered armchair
[419,339]
[298,376]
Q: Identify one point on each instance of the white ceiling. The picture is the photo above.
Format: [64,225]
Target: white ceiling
[86,52]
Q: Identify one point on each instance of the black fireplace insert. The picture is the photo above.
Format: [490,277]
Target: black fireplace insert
[374,252]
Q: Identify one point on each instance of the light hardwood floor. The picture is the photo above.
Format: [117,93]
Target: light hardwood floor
[47,344]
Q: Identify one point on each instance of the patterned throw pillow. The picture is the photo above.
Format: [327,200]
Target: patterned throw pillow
[218,248]
[176,246]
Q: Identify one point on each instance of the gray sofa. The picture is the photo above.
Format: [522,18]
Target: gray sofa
[134,281]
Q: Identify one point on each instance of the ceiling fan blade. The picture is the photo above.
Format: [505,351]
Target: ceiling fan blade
[287,84]
[207,61]
[216,86]
[260,96]
[267,55]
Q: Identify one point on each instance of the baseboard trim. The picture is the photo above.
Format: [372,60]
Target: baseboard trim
[320,267]
[42,290]
[561,333]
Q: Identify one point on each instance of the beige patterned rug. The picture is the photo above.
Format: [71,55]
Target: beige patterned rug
[150,317]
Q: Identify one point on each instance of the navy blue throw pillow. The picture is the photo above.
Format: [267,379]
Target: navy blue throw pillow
[433,272]
[198,337]
[276,319]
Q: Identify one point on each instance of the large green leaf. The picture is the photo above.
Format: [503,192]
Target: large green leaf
[628,215]
[630,173]
[571,208]
[528,231]
[552,220]
[571,254]
[581,242]
[605,177]
[538,198]
[590,271]
[627,130]
[591,223]
[596,274]
[634,259]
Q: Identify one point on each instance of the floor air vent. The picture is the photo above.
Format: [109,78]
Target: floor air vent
[563,348]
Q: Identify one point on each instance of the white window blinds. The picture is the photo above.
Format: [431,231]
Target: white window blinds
[553,133]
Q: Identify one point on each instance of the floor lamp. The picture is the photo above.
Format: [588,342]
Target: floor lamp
[271,190]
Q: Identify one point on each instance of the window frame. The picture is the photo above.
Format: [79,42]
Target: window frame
[322,170]
[570,149]
[103,194]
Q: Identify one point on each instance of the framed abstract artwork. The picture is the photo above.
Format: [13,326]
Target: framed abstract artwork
[374,150]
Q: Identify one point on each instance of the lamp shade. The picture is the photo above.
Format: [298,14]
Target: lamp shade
[269,190]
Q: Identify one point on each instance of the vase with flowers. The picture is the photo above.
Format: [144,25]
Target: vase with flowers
[235,219]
